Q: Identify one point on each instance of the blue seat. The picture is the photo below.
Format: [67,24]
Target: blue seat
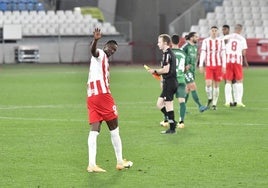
[3,7]
[21,7]
[30,6]
[33,1]
[39,7]
[14,1]
[12,6]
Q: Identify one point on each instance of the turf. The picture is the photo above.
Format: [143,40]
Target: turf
[44,129]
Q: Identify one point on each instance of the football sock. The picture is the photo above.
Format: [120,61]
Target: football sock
[228,93]
[171,120]
[92,147]
[182,111]
[117,144]
[216,92]
[196,98]
[234,86]
[209,92]
[163,110]
[186,97]
[240,90]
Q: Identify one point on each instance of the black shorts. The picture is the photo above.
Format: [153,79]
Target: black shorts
[169,89]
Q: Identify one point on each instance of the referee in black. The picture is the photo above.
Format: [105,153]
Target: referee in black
[169,82]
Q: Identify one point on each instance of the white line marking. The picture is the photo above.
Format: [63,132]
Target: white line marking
[41,119]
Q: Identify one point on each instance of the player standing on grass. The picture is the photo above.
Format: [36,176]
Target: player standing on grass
[225,32]
[213,54]
[236,56]
[169,82]
[180,67]
[100,103]
[190,48]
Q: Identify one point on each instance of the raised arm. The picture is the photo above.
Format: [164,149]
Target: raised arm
[97,36]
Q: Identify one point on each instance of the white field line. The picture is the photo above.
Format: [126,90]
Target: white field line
[128,121]
[12,107]
[42,119]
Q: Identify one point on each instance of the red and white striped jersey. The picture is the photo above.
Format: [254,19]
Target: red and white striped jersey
[98,76]
[234,47]
[213,52]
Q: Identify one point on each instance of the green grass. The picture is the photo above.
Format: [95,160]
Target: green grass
[44,130]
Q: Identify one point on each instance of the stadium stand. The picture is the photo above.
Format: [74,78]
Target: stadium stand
[252,14]
[46,23]
[21,5]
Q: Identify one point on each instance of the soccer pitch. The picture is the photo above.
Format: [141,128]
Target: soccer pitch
[44,130]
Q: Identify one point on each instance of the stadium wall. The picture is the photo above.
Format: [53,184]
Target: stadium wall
[63,49]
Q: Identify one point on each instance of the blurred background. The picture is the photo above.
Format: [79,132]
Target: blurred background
[59,31]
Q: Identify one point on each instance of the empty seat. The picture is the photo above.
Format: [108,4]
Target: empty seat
[227,3]
[39,7]
[254,3]
[238,15]
[194,28]
[3,6]
[249,29]
[219,9]
[221,22]
[263,3]
[260,35]
[259,29]
[202,22]
[248,23]
[264,9]
[256,16]
[237,9]
[257,22]
[247,16]
[211,15]
[212,22]
[245,3]
[255,9]
[250,35]
[228,9]
[264,16]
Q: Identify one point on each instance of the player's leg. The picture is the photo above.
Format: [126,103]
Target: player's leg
[168,94]
[228,93]
[208,87]
[180,94]
[161,105]
[95,126]
[117,145]
[234,93]
[216,93]
[92,148]
[171,117]
[216,89]
[239,84]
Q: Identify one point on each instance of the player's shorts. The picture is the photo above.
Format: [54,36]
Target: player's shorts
[189,77]
[214,73]
[169,89]
[181,93]
[101,108]
[234,71]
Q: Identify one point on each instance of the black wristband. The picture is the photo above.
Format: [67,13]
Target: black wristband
[155,72]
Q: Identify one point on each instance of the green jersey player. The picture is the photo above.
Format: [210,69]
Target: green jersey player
[180,68]
[190,48]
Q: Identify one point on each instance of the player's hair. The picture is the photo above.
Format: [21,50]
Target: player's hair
[238,26]
[226,26]
[214,27]
[112,42]
[175,39]
[190,35]
[165,38]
